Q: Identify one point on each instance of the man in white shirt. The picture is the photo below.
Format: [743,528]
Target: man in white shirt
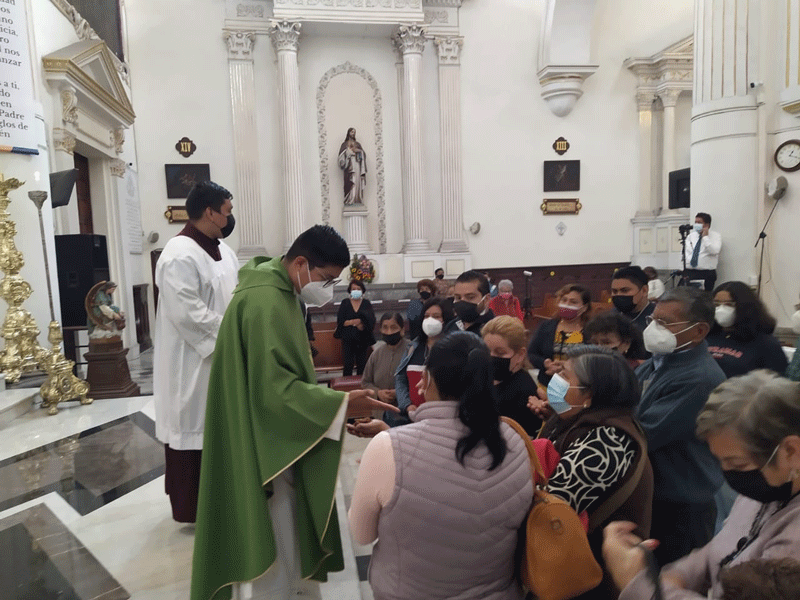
[196,275]
[702,251]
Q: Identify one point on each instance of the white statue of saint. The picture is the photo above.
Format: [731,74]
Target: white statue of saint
[353,163]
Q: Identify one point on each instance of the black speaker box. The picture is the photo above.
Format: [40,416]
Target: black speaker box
[679,189]
[82,262]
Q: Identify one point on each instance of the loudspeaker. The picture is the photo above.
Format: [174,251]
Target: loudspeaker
[679,188]
[82,262]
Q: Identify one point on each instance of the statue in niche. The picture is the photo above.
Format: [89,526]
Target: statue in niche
[353,163]
[105,318]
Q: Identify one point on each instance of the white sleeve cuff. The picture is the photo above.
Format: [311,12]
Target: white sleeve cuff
[335,430]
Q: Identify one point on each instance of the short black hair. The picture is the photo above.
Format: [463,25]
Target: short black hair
[611,321]
[437,270]
[752,317]
[389,316]
[697,305]
[444,303]
[705,217]
[358,283]
[633,274]
[203,195]
[322,245]
[473,275]
[651,273]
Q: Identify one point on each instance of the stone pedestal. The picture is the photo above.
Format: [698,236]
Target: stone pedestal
[15,403]
[355,228]
[107,373]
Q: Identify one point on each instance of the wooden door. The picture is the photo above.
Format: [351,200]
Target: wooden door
[84,194]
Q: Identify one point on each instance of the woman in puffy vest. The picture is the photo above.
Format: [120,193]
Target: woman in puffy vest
[445,495]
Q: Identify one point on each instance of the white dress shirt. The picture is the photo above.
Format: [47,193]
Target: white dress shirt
[709,250]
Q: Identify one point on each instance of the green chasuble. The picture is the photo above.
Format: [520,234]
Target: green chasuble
[265,414]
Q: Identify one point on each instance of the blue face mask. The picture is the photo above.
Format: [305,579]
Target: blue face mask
[355,294]
[557,392]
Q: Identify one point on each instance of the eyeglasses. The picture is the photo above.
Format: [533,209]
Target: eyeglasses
[650,319]
[330,282]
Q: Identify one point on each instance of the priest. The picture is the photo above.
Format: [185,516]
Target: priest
[266,522]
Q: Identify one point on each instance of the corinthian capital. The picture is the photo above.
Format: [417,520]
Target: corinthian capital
[449,49]
[411,39]
[285,35]
[240,43]
[669,97]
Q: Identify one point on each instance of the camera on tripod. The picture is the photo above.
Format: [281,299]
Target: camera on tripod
[685,229]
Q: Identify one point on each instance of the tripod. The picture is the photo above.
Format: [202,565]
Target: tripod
[762,238]
[526,305]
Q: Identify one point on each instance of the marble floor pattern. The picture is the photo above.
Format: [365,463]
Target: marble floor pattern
[83,514]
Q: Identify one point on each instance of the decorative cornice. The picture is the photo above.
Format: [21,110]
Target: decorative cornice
[64,140]
[85,32]
[323,145]
[240,43]
[411,38]
[670,69]
[450,3]
[285,35]
[69,105]
[644,100]
[436,16]
[117,137]
[449,49]
[117,167]
[244,11]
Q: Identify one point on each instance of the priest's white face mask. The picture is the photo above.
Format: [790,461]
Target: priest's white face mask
[315,293]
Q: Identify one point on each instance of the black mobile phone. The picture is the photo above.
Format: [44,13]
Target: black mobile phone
[653,572]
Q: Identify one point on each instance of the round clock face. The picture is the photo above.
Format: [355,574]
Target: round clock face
[787,156]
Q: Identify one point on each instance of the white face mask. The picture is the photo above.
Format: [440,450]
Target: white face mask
[698,227]
[796,322]
[315,293]
[725,315]
[660,340]
[432,327]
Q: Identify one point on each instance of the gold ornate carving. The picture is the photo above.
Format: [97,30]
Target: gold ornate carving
[69,105]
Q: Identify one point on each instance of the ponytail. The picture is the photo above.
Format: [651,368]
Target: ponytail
[461,366]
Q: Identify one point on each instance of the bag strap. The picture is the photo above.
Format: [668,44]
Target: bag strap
[618,498]
[537,472]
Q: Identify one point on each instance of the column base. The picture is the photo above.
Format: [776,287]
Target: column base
[355,228]
[453,246]
[247,252]
[418,246]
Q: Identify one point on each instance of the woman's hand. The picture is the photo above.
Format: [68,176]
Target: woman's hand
[551,367]
[366,428]
[539,406]
[624,557]
[388,396]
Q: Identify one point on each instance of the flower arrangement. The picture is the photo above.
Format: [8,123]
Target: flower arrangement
[362,269]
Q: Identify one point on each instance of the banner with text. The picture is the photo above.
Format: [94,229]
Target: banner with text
[17,114]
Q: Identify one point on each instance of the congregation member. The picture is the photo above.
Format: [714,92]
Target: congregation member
[629,294]
[547,348]
[676,383]
[655,287]
[741,339]
[266,521]
[417,487]
[441,284]
[604,469]
[616,332]
[426,290]
[195,275]
[793,370]
[470,303]
[702,252]
[506,303]
[752,425]
[355,324]
[382,363]
[506,338]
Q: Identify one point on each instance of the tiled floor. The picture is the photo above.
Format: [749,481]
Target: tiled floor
[84,515]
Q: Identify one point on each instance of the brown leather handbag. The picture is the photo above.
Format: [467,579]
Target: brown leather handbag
[556,562]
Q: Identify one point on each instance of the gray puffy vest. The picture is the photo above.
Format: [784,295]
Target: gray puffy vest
[450,531]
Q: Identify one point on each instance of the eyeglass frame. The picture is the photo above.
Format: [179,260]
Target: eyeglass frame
[649,319]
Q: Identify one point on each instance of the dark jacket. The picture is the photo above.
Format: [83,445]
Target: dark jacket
[672,396]
[542,347]
[350,334]
[514,393]
[457,325]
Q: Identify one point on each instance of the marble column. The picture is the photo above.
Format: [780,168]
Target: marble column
[669,100]
[247,201]
[449,49]
[411,41]
[644,101]
[286,40]
[401,103]
[724,130]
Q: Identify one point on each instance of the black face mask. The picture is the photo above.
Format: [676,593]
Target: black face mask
[425,295]
[466,311]
[440,276]
[228,229]
[753,485]
[502,368]
[623,304]
[392,338]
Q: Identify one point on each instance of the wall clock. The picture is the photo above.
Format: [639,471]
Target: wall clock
[787,156]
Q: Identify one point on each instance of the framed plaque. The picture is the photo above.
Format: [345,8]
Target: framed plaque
[562,175]
[181,178]
[561,207]
[176,214]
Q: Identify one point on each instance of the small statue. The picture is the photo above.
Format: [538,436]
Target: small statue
[353,162]
[105,320]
